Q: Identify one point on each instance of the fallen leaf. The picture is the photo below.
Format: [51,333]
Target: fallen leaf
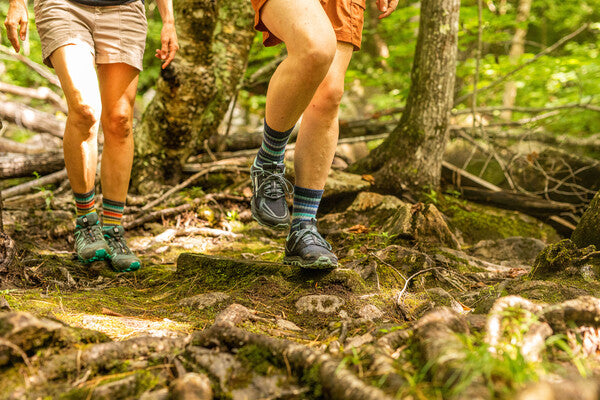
[358,229]
[369,178]
[106,311]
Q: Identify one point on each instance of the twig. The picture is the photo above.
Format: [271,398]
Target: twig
[520,67]
[409,279]
[158,214]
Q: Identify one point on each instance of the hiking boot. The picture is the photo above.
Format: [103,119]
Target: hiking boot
[89,241]
[269,188]
[120,256]
[306,248]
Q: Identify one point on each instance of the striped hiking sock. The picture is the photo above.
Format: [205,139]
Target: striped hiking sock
[112,212]
[306,204]
[273,146]
[85,202]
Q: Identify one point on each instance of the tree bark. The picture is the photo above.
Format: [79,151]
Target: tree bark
[193,93]
[588,229]
[411,157]
[517,49]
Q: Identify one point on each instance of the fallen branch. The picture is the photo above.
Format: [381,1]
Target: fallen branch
[528,110]
[31,185]
[40,93]
[207,170]
[152,216]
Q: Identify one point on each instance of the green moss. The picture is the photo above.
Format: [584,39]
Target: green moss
[258,359]
[478,222]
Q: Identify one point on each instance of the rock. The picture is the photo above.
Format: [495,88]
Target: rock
[370,312]
[191,386]
[352,152]
[160,394]
[321,303]
[566,389]
[4,306]
[204,300]
[287,325]
[233,315]
[513,251]
[269,387]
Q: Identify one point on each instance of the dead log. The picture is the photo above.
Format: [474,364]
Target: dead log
[18,165]
[41,70]
[30,118]
[40,93]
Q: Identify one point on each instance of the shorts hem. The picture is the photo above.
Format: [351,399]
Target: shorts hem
[120,58]
[48,50]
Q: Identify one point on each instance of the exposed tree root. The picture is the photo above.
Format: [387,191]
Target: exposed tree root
[336,382]
[583,311]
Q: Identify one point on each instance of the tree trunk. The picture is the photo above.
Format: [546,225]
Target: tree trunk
[17,165]
[517,49]
[588,229]
[411,157]
[193,93]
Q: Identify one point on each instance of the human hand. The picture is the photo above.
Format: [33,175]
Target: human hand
[168,38]
[386,7]
[16,22]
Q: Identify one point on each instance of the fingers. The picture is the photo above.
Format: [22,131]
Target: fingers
[164,50]
[382,5]
[23,30]
[173,47]
[391,6]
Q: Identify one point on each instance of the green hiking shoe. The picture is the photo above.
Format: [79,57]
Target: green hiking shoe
[89,241]
[120,256]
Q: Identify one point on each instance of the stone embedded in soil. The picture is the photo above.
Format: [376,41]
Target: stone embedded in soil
[4,306]
[319,303]
[358,341]
[513,250]
[370,312]
[204,300]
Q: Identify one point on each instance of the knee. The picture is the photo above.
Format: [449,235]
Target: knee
[117,123]
[84,116]
[317,54]
[328,97]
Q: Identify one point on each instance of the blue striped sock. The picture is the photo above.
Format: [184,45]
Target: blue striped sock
[273,146]
[306,204]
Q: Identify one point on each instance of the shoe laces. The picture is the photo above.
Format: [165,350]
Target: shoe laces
[88,232]
[117,243]
[311,236]
[274,185]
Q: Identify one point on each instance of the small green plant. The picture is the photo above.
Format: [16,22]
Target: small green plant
[232,215]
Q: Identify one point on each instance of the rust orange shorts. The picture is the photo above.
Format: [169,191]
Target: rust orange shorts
[347,18]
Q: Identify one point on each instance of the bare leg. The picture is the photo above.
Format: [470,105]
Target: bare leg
[75,67]
[310,41]
[318,135]
[118,86]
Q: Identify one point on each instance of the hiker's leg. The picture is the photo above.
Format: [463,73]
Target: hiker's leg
[318,135]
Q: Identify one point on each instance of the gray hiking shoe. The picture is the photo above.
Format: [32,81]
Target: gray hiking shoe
[121,257]
[306,248]
[269,188]
[89,241]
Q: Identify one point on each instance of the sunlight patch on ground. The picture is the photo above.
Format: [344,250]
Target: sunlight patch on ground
[121,328]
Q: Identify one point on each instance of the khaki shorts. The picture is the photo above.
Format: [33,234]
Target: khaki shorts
[114,34]
[347,18]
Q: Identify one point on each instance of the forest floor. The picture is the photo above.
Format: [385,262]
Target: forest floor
[439,299]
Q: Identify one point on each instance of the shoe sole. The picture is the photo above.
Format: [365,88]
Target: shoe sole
[321,263]
[279,227]
[100,255]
